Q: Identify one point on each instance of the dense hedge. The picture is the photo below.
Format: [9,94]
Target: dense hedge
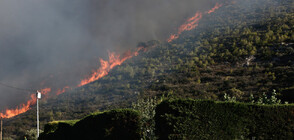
[58,130]
[191,119]
[114,124]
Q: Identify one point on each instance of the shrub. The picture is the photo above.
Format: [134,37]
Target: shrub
[114,124]
[58,130]
[192,119]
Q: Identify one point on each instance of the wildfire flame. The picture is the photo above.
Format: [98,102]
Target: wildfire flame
[24,107]
[106,66]
[191,23]
[60,91]
[217,6]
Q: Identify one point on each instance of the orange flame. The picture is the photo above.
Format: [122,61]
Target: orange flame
[106,66]
[191,23]
[59,91]
[172,37]
[24,107]
[45,91]
[217,6]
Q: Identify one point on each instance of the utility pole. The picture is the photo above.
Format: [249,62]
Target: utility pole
[1,130]
[38,95]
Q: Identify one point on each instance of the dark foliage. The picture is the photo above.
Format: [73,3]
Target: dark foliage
[114,124]
[192,119]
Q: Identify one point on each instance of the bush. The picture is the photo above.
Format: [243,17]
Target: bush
[59,130]
[114,124]
[192,119]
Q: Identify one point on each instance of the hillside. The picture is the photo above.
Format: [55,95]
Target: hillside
[239,50]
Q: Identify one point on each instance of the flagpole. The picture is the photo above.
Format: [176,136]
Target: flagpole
[1,129]
[38,95]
